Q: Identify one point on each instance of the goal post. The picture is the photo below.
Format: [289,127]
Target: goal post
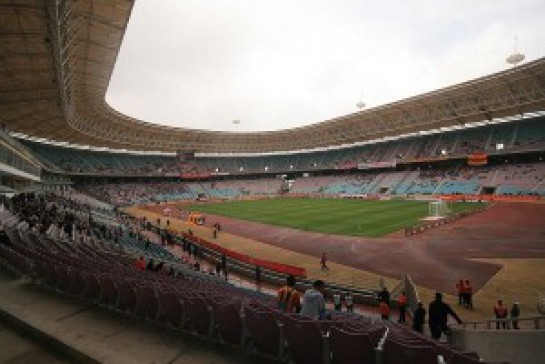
[438,209]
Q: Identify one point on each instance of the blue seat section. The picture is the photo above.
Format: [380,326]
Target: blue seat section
[520,135]
[153,250]
[512,190]
[458,187]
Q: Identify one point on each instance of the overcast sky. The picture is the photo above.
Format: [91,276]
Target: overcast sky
[283,63]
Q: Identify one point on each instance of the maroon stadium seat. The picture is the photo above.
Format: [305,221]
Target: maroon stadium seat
[399,353]
[170,306]
[350,348]
[263,329]
[304,339]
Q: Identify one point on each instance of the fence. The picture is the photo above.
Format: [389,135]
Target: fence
[526,323]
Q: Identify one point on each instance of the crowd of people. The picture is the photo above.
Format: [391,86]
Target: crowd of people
[465,293]
[312,304]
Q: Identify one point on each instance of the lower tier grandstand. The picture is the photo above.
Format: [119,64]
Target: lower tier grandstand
[525,179]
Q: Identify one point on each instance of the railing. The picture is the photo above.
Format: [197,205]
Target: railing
[412,294]
[526,323]
[541,304]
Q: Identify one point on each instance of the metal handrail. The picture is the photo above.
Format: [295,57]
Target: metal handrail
[488,324]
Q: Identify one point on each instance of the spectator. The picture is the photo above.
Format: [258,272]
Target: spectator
[402,306]
[515,313]
[337,304]
[461,291]
[288,297]
[384,296]
[349,301]
[257,274]
[197,266]
[160,266]
[223,261]
[468,294]
[419,318]
[313,301]
[323,262]
[151,265]
[384,310]
[140,264]
[500,311]
[218,267]
[438,317]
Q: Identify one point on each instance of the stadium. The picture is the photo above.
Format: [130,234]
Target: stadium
[409,197]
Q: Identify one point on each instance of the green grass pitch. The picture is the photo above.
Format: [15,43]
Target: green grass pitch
[330,216]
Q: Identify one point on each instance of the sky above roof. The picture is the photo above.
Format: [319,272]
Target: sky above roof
[279,64]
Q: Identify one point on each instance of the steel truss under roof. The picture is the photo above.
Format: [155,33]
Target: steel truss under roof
[57,57]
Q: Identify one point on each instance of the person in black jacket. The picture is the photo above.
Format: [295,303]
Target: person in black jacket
[515,313]
[384,296]
[438,316]
[419,318]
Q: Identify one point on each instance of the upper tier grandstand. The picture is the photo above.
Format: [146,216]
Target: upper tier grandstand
[526,136]
[58,59]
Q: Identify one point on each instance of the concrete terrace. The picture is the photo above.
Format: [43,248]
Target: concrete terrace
[77,331]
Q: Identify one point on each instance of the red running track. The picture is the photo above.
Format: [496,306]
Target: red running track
[435,259]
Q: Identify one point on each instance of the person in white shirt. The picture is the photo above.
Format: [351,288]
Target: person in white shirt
[349,300]
[337,304]
[313,301]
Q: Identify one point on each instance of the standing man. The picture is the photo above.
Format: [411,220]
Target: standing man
[461,292]
[258,274]
[438,316]
[500,311]
[313,301]
[218,268]
[384,310]
[468,293]
[419,318]
[323,262]
[515,313]
[349,300]
[384,296]
[337,303]
[288,297]
[402,306]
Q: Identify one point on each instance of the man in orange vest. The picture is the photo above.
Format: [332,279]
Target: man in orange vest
[468,293]
[461,291]
[288,298]
[402,306]
[501,314]
[384,310]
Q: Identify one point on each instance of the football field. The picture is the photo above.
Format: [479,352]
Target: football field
[330,216]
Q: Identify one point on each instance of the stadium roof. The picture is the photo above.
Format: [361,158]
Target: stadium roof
[57,57]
